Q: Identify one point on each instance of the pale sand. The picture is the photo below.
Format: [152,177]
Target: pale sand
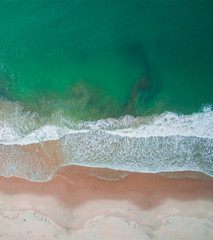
[76,205]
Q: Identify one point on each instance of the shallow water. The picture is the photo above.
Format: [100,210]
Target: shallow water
[83,66]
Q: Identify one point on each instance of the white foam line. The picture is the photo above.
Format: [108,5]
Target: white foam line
[167,124]
[31,138]
[132,133]
[121,133]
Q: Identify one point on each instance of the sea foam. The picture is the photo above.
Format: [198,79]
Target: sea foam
[167,142]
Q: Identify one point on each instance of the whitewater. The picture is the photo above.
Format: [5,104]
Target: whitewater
[161,143]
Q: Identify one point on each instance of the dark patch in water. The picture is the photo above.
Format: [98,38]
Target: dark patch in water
[89,102]
[140,90]
[147,86]
[135,51]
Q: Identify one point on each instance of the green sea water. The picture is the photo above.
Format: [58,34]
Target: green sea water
[103,58]
[86,72]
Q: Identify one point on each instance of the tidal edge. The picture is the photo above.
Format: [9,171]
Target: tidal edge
[80,203]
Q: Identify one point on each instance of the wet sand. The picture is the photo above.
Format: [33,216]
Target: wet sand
[75,204]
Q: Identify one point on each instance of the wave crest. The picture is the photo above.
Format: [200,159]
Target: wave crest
[167,142]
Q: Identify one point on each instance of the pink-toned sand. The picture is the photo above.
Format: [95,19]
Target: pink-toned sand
[76,205]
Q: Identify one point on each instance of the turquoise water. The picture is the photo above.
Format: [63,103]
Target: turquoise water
[64,62]
[108,58]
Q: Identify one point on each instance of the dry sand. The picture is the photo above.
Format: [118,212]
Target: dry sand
[77,205]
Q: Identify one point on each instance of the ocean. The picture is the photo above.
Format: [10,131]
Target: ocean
[118,84]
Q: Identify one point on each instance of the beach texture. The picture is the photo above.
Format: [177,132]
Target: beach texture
[76,205]
[106,120]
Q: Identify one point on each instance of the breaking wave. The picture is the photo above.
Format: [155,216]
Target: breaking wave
[167,142]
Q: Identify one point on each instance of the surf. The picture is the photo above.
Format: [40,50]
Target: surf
[168,142]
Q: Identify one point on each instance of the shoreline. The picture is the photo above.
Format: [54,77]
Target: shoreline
[43,160]
[76,205]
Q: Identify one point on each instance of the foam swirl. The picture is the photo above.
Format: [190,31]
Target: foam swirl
[167,142]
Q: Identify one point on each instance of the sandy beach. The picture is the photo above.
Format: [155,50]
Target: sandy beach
[106,120]
[75,204]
